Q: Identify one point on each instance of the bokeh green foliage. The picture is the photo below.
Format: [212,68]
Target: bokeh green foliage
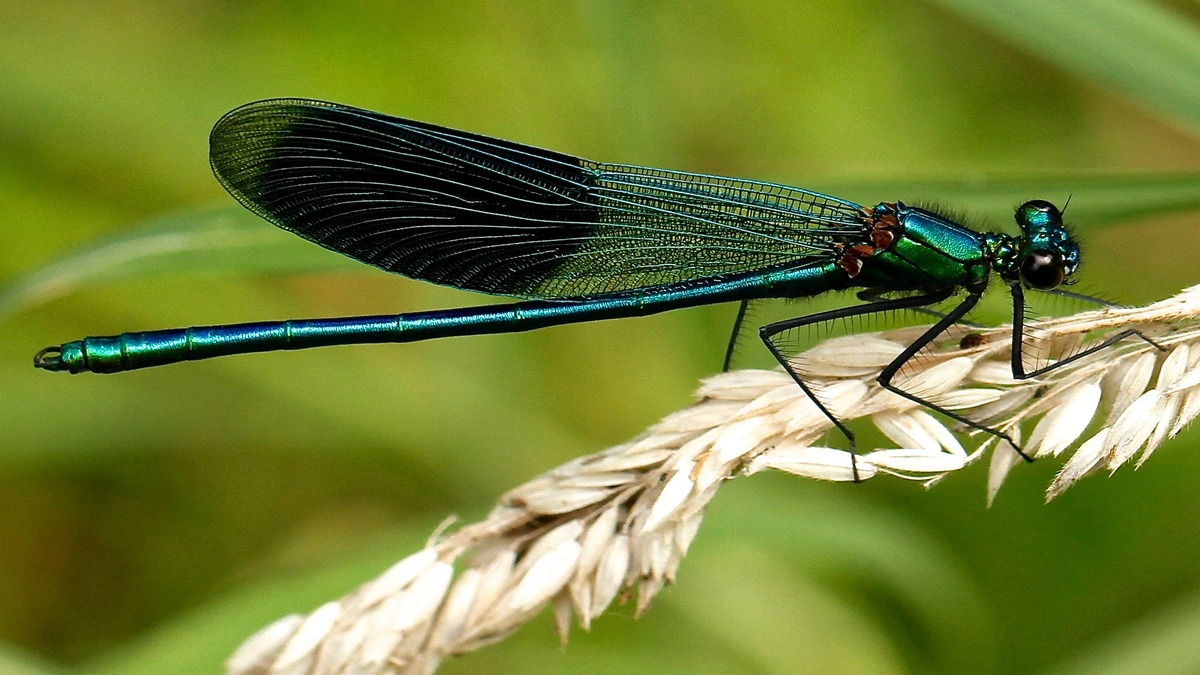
[150,521]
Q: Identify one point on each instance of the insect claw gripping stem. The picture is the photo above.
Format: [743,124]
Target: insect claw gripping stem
[1013,444]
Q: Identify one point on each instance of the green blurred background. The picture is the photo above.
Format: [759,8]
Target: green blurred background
[150,521]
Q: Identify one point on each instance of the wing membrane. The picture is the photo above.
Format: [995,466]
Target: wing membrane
[484,214]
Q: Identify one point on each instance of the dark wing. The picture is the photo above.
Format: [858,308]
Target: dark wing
[479,213]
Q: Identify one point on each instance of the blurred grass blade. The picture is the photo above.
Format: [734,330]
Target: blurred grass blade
[230,240]
[1148,53]
[200,640]
[201,241]
[1163,643]
[1096,199]
[825,531]
[13,661]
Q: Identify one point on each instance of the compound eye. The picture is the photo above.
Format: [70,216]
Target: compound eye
[1043,270]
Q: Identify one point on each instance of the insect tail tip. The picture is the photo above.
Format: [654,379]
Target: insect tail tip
[50,359]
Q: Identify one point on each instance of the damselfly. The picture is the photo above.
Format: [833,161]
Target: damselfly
[578,241]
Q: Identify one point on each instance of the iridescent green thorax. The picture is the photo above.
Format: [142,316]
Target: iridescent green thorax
[1005,252]
[925,251]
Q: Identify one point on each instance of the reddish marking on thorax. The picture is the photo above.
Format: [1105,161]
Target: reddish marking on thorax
[882,230]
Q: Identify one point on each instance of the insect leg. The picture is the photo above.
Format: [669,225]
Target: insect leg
[1018,335]
[889,372]
[876,295]
[769,331]
[1080,296]
[737,329]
